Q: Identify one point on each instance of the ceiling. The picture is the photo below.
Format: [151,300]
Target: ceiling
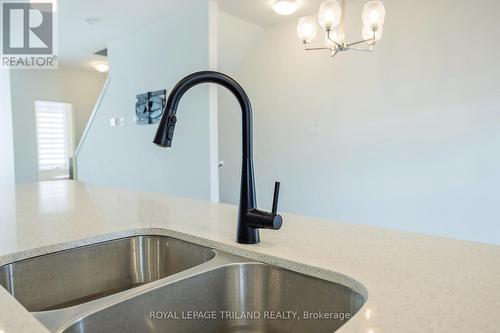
[261,13]
[78,41]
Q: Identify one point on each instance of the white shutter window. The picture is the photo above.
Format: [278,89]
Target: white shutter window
[54,139]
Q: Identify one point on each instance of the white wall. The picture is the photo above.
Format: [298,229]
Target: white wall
[236,39]
[6,136]
[77,87]
[7,177]
[213,102]
[154,58]
[409,134]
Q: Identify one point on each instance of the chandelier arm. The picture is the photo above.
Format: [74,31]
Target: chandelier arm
[316,48]
[331,40]
[361,42]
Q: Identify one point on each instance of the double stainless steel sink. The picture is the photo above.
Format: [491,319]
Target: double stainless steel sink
[162,284]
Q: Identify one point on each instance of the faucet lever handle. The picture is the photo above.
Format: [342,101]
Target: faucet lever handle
[276,197]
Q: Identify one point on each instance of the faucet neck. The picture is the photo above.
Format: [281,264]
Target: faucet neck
[215,77]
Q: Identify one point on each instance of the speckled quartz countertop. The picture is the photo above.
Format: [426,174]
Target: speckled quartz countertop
[414,283]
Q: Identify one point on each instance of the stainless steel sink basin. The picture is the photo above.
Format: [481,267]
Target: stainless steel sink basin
[242,297]
[83,274]
[161,284]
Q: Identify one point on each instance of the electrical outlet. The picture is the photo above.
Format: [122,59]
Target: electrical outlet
[112,122]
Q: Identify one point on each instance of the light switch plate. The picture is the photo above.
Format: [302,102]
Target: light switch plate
[313,129]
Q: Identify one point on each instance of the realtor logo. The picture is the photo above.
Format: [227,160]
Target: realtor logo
[28,35]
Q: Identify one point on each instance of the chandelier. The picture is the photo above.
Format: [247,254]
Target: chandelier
[331,19]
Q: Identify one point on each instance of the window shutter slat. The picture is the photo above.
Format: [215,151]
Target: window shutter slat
[51,136]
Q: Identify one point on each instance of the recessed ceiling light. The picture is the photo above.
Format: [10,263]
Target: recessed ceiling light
[285,7]
[101,66]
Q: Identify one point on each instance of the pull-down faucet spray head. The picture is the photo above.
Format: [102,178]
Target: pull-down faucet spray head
[165,132]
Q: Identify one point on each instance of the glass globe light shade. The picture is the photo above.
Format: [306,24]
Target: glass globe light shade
[330,14]
[306,29]
[373,14]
